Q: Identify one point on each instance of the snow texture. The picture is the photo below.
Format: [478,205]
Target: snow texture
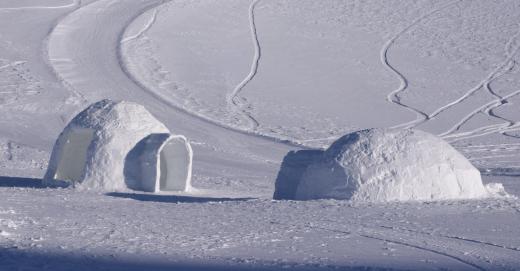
[96,149]
[380,165]
[150,160]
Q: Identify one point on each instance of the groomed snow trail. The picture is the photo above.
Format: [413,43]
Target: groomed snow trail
[73,3]
[84,51]
[237,103]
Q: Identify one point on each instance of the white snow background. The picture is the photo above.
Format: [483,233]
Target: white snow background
[247,82]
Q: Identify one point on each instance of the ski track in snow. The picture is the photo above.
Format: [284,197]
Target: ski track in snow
[393,97]
[233,99]
[503,68]
[489,108]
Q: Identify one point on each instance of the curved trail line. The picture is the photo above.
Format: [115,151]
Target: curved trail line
[233,99]
[454,237]
[482,109]
[141,32]
[371,233]
[83,64]
[489,129]
[74,3]
[488,108]
[166,101]
[393,97]
[50,62]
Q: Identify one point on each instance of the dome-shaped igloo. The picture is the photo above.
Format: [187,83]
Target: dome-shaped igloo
[112,146]
[380,165]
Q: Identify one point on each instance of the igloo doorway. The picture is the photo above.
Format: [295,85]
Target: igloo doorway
[175,164]
[73,156]
[160,162]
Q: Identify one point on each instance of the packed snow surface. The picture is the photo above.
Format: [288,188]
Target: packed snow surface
[391,165]
[254,85]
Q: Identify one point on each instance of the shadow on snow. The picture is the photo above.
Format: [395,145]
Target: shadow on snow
[6,181]
[14,259]
[172,198]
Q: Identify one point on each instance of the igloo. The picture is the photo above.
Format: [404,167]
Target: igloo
[379,165]
[113,146]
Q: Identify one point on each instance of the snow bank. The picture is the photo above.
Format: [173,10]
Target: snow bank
[392,165]
[96,146]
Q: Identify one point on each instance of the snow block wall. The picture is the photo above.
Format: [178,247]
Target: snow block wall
[379,165]
[94,149]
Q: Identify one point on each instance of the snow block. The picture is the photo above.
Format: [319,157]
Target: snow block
[113,146]
[379,165]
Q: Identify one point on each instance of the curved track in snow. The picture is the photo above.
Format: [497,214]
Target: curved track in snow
[73,3]
[84,52]
[393,96]
[488,108]
[141,32]
[233,99]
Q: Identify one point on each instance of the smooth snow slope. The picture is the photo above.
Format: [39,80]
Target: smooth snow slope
[314,70]
[306,71]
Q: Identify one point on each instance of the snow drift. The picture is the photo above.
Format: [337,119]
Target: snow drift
[113,146]
[392,165]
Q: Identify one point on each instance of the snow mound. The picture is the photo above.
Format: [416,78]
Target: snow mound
[379,165]
[96,148]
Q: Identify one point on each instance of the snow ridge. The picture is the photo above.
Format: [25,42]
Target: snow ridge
[145,28]
[233,99]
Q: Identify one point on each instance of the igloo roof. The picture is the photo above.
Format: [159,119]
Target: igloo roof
[391,165]
[108,114]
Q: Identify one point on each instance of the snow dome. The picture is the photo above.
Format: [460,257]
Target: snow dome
[379,165]
[113,146]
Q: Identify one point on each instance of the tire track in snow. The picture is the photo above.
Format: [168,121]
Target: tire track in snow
[393,97]
[233,99]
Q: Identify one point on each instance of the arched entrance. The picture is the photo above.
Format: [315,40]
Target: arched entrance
[73,155]
[159,162]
